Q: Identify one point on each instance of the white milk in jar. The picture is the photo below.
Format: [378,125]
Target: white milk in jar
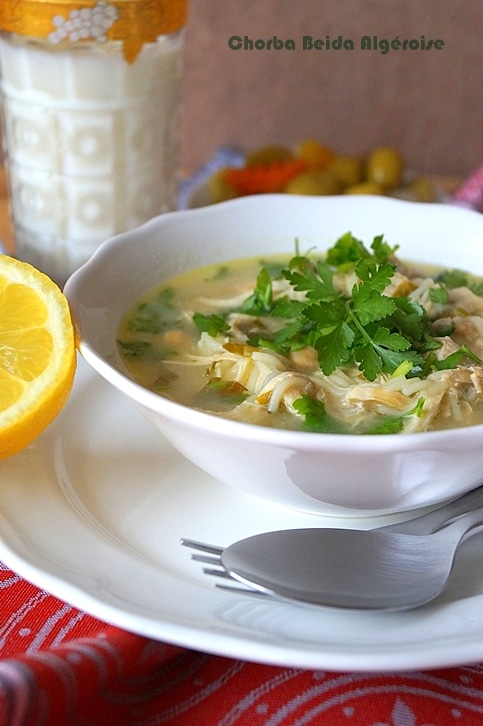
[91,129]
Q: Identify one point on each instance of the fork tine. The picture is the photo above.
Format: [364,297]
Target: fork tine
[243,590]
[217,573]
[202,546]
[212,556]
[207,559]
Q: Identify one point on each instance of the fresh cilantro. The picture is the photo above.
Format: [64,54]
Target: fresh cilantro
[212,324]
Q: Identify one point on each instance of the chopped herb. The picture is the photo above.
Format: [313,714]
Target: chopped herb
[212,324]
[154,316]
[274,267]
[136,348]
[439,294]
[395,424]
[348,251]
[316,418]
[221,272]
[260,301]
[379,333]
[370,328]
[221,395]
[453,278]
[458,278]
[451,361]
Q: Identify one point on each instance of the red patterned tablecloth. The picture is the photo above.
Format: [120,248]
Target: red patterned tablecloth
[62,667]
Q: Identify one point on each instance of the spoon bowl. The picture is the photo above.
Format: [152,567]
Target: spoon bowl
[373,569]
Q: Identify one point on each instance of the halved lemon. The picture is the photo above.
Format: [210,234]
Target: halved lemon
[37,353]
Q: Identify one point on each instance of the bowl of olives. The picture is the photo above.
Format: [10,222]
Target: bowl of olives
[313,169]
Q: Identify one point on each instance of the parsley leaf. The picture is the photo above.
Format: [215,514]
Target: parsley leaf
[316,418]
[347,252]
[453,359]
[260,301]
[395,424]
[212,324]
[334,348]
[379,333]
[315,281]
[439,294]
[458,278]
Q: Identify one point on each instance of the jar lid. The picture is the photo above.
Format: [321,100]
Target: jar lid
[135,22]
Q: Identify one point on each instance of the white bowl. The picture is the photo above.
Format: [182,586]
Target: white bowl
[322,473]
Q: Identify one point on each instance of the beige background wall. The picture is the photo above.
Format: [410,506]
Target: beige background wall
[429,104]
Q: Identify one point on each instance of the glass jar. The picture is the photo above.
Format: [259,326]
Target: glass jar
[91,104]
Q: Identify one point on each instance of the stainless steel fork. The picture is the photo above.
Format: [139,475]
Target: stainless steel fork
[209,554]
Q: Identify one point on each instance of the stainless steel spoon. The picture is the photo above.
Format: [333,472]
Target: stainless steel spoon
[397,567]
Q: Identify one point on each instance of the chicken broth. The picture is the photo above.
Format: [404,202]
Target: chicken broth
[354,342]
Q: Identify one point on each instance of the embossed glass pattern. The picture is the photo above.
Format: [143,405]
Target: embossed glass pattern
[91,138]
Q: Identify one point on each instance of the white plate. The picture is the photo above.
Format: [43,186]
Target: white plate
[93,512]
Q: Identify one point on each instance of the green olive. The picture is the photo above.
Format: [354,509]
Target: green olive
[348,170]
[219,189]
[266,155]
[423,189]
[315,183]
[365,188]
[385,166]
[315,155]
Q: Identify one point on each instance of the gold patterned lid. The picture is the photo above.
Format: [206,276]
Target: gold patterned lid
[134,22]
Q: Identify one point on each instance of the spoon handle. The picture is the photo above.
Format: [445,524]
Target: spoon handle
[466,525]
[436,518]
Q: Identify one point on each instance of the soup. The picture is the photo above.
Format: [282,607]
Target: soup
[355,341]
